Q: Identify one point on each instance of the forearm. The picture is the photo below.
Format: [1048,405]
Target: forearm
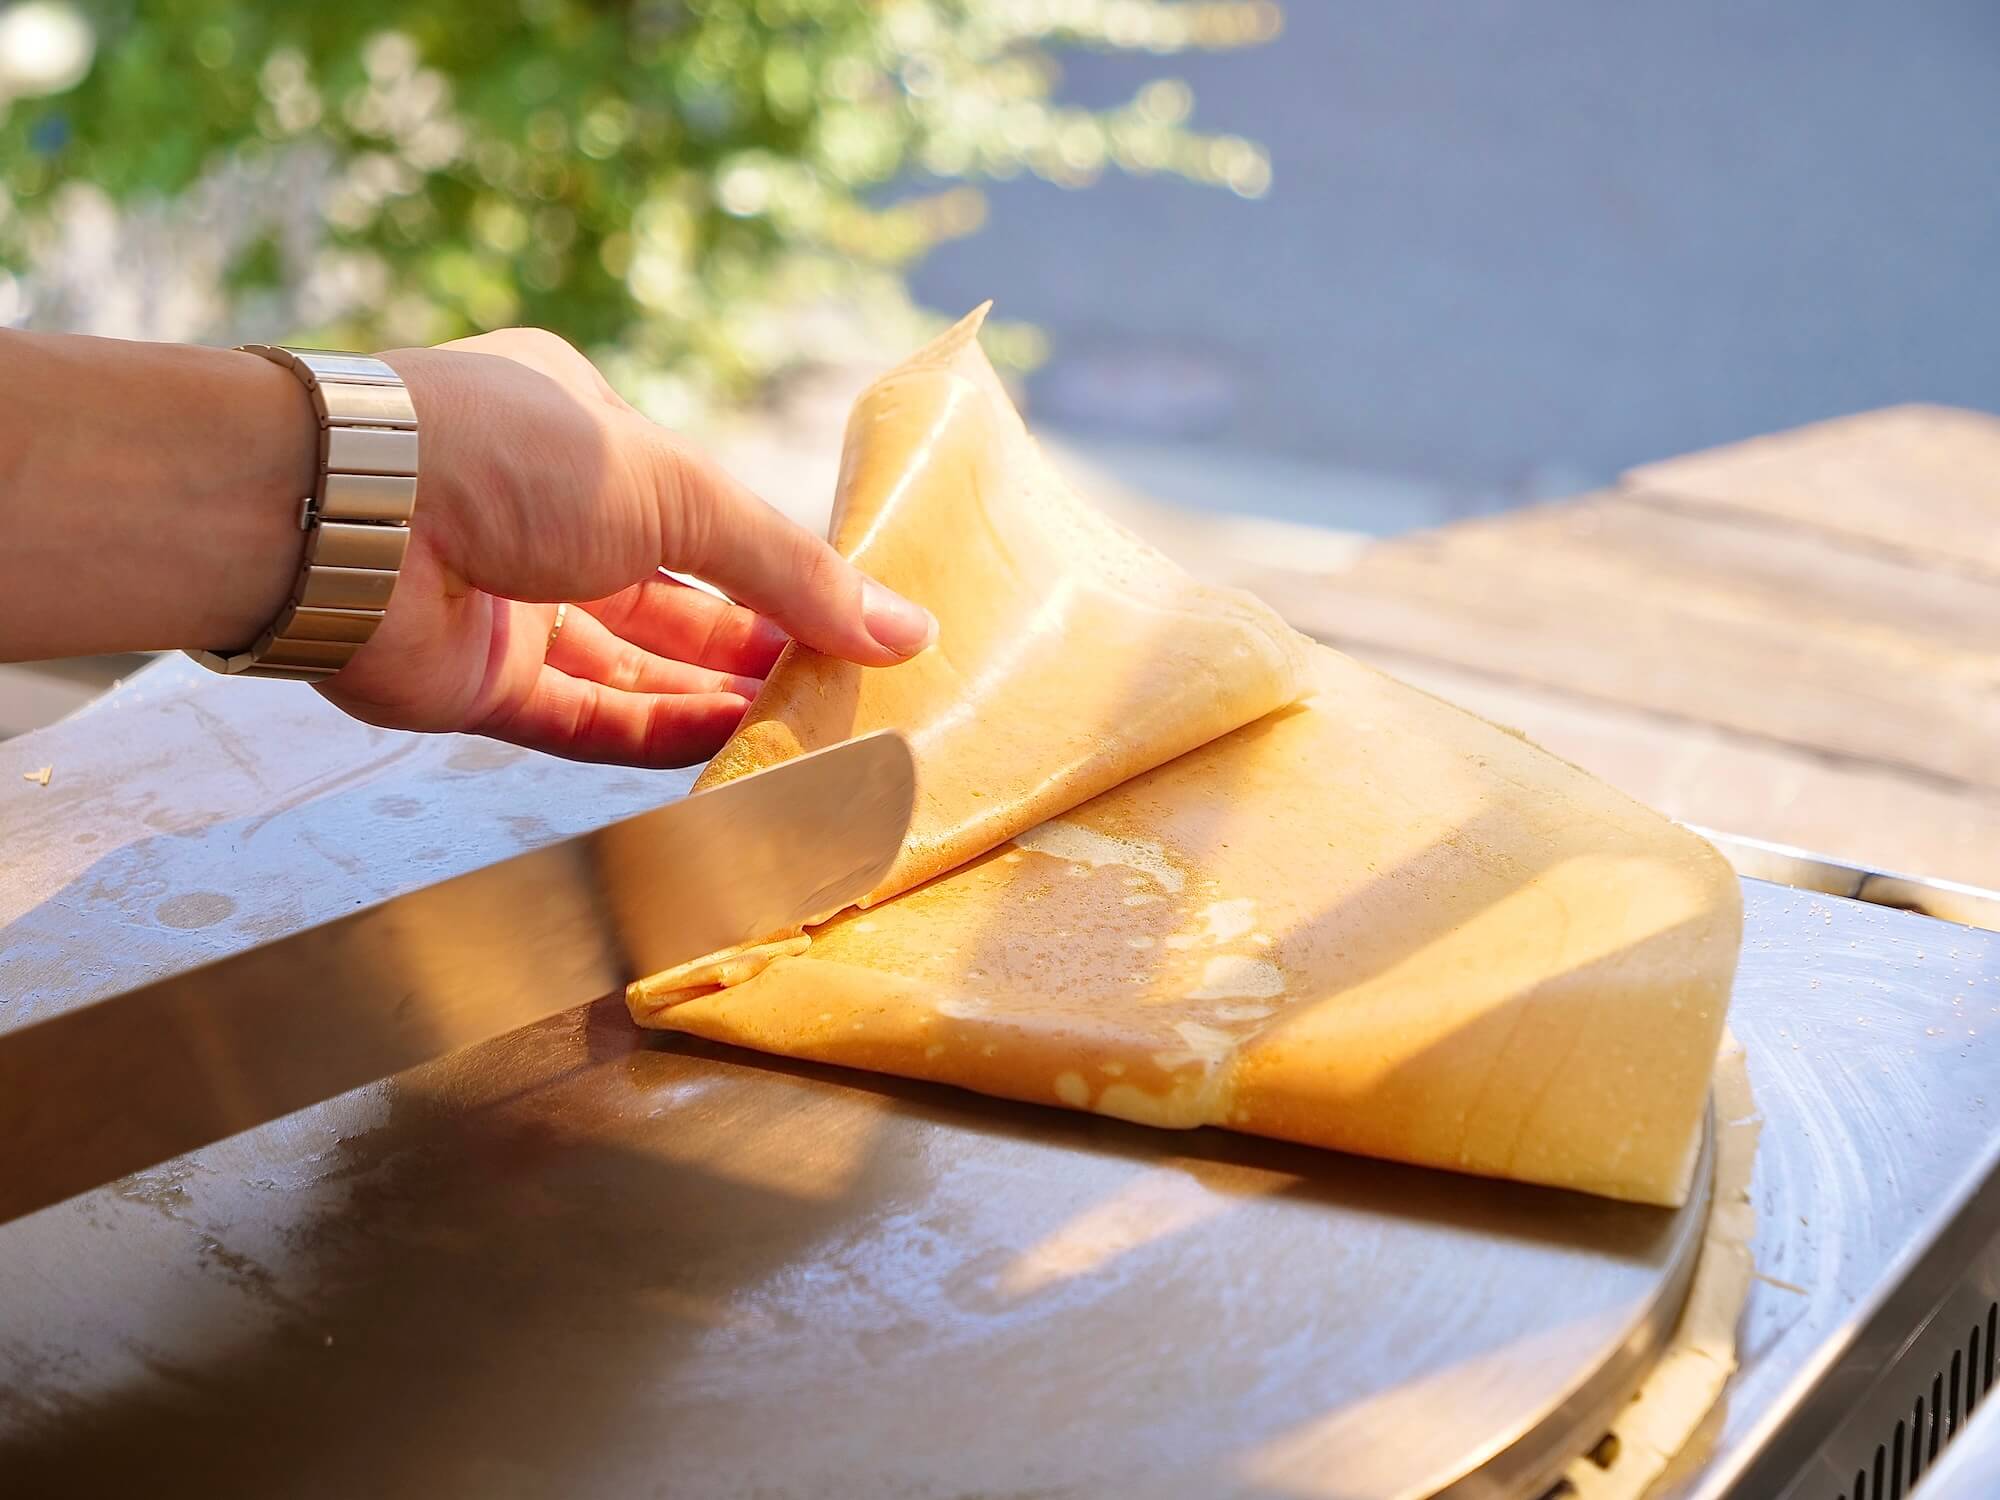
[148,495]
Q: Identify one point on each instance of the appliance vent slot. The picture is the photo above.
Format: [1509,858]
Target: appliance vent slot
[1920,1434]
[1992,1337]
[1957,1386]
[1973,1371]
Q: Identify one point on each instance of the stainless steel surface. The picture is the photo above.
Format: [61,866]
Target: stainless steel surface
[368,497]
[1970,1469]
[1915,1371]
[1947,900]
[348,544]
[94,1088]
[583,1260]
[367,450]
[1868,1032]
[576,1262]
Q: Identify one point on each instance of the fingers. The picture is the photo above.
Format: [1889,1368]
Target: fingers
[586,648]
[572,493]
[713,527]
[581,720]
[670,619]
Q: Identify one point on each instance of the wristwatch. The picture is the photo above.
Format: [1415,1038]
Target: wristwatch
[356,521]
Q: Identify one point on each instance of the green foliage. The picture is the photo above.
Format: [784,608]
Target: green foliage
[681,186]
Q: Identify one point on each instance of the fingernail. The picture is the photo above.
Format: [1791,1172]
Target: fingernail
[903,627]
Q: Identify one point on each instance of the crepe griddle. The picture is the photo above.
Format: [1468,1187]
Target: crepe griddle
[588,1260]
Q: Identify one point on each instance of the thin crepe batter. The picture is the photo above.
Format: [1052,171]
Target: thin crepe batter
[1171,893]
[1369,921]
[1070,654]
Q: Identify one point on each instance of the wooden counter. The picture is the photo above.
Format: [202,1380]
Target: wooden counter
[1796,638]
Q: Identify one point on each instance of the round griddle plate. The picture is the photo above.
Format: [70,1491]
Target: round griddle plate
[585,1261]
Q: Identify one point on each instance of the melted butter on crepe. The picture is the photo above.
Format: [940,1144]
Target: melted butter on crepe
[1070,655]
[1369,922]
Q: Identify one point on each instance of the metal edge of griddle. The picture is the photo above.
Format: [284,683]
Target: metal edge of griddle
[1801,869]
[1969,1469]
[1933,1309]
[1530,1461]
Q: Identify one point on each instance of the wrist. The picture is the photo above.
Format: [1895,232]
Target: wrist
[356,518]
[153,494]
[247,480]
[439,407]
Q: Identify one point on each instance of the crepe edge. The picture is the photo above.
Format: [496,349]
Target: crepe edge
[649,999]
[956,356]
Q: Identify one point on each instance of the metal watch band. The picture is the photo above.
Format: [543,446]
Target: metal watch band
[357,522]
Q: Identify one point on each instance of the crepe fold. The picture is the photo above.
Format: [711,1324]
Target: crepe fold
[1366,921]
[1070,654]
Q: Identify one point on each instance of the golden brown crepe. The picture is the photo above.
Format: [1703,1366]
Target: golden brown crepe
[1070,654]
[1370,921]
[1366,921]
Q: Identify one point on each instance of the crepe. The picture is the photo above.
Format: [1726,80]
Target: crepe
[1369,921]
[1070,654]
[1161,888]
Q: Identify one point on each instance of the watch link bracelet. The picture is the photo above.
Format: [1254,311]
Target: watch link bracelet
[357,521]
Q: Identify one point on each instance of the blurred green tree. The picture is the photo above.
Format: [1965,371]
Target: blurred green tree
[703,193]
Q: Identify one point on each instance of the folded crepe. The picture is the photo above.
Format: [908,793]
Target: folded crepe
[1070,655]
[1371,922]
[1367,921]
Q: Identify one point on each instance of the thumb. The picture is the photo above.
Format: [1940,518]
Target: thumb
[716,529]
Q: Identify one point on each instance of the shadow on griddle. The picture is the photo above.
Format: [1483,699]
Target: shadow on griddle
[1227,1162]
[464,1281]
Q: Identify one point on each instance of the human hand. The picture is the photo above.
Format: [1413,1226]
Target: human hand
[539,485]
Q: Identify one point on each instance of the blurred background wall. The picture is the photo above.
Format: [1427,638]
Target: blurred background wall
[1511,249]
